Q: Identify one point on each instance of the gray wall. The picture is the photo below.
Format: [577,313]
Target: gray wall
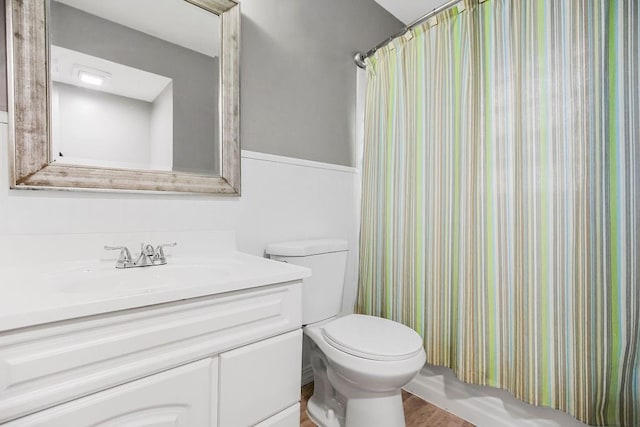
[195,78]
[298,76]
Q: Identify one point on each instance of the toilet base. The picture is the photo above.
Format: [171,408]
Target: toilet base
[365,408]
[321,416]
[375,412]
[386,411]
[337,402]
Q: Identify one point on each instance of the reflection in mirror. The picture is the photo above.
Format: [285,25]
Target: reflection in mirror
[135,85]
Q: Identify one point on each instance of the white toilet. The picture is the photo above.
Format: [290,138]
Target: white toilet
[359,362]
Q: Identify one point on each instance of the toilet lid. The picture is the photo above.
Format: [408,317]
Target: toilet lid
[372,338]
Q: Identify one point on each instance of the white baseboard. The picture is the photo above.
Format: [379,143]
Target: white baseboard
[483,406]
[307,375]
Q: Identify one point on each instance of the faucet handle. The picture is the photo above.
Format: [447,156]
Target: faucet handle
[167,245]
[125,256]
[159,255]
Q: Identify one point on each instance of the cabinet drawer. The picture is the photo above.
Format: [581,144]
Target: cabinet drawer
[48,365]
[179,397]
[260,380]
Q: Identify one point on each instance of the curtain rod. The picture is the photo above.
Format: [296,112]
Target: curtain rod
[360,57]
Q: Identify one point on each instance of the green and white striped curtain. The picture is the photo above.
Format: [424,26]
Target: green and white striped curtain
[501,198]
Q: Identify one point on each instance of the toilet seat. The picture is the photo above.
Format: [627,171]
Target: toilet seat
[365,373]
[372,338]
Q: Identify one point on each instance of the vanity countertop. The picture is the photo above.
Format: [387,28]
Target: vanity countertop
[50,292]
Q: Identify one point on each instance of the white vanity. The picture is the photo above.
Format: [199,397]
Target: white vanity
[213,340]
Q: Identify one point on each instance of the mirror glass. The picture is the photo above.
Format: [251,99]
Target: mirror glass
[134,85]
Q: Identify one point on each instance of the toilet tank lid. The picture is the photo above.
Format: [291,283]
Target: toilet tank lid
[307,247]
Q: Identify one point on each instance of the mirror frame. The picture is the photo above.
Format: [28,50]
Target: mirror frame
[29,113]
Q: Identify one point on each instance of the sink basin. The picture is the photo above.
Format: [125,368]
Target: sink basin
[147,279]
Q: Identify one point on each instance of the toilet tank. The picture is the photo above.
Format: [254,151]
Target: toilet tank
[327,259]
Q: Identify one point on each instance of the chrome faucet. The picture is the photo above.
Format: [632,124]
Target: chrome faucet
[148,255]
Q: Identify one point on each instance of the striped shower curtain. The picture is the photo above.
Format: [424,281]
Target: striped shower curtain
[501,198]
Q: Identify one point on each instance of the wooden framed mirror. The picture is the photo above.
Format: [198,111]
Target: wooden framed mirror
[87,111]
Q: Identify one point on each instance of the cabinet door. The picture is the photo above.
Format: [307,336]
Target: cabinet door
[290,417]
[259,380]
[182,396]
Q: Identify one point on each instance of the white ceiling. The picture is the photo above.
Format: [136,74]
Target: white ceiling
[175,21]
[409,10]
[122,80]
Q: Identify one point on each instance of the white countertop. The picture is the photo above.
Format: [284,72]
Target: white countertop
[49,292]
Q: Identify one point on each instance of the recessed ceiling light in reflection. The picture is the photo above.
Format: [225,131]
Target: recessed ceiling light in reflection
[90,78]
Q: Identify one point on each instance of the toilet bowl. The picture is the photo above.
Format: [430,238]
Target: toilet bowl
[364,374]
[360,363]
